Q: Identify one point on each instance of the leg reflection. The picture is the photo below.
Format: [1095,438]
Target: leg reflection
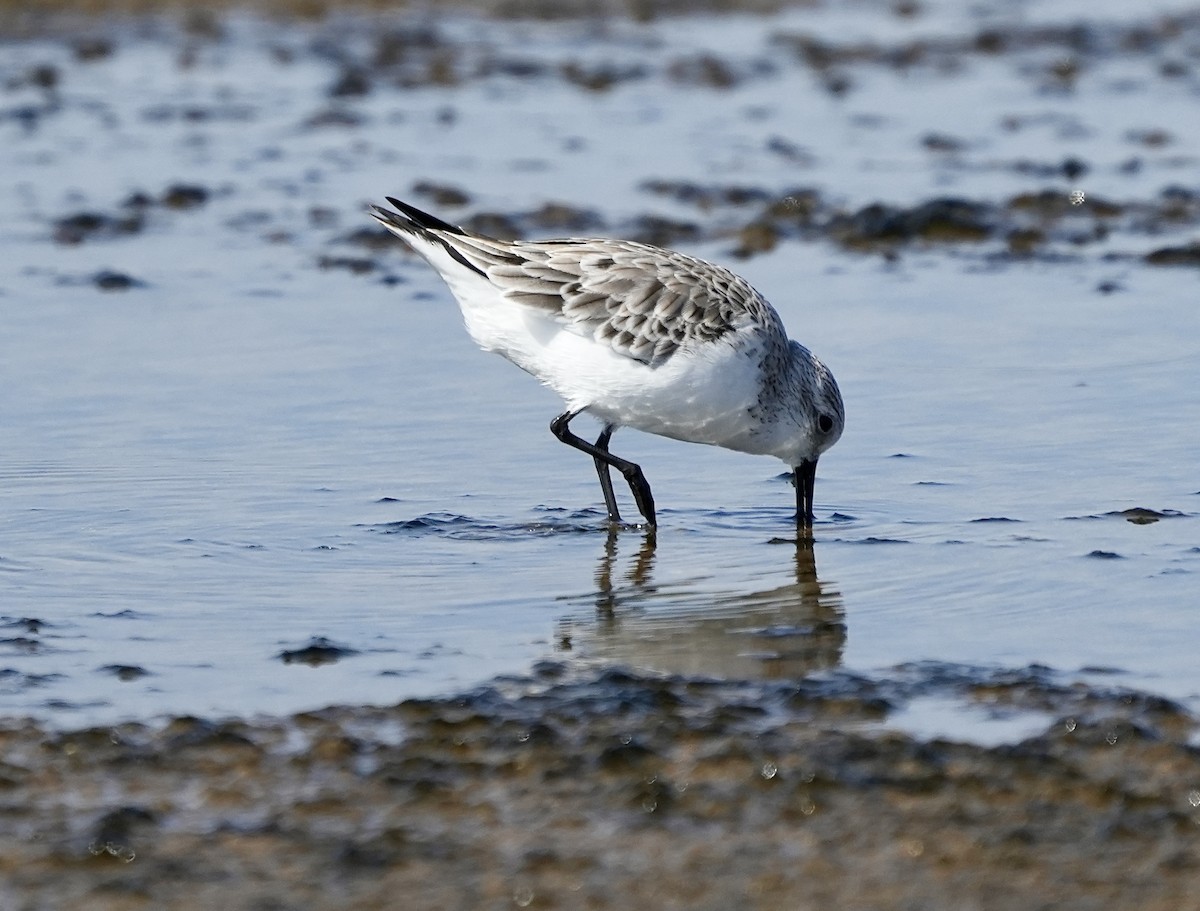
[636,580]
[711,618]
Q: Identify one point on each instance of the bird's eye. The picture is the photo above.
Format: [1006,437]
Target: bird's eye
[825,422]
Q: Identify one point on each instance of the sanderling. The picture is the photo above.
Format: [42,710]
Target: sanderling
[641,337]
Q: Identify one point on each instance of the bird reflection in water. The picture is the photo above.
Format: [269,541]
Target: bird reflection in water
[693,627]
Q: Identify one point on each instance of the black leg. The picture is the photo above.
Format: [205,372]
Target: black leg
[805,479]
[610,500]
[633,473]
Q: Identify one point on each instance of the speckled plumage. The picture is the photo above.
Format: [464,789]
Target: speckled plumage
[637,336]
[643,301]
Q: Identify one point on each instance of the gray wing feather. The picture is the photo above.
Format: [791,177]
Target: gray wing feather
[643,301]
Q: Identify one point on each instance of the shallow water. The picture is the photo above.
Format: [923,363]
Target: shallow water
[247,454]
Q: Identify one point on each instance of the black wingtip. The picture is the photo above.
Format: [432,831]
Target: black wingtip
[423,219]
[412,221]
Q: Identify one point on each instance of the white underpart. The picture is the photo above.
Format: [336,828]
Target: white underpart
[702,394]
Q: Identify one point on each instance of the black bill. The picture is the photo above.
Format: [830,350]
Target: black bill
[805,479]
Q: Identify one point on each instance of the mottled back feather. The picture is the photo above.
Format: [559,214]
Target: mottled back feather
[643,301]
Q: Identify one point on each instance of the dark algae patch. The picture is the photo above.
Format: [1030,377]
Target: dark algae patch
[318,651]
[110,280]
[125,672]
[1139,515]
[567,792]
[1175,256]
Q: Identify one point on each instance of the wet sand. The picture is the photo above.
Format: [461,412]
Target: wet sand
[614,790]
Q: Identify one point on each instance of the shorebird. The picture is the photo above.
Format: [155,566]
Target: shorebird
[638,336]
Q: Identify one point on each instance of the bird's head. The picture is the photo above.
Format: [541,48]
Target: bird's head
[819,417]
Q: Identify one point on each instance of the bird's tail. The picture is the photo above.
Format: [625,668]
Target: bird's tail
[411,220]
[426,234]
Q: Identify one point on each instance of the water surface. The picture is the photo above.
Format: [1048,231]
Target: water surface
[256,449]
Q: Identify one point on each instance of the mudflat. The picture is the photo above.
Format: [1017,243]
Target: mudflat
[616,790]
